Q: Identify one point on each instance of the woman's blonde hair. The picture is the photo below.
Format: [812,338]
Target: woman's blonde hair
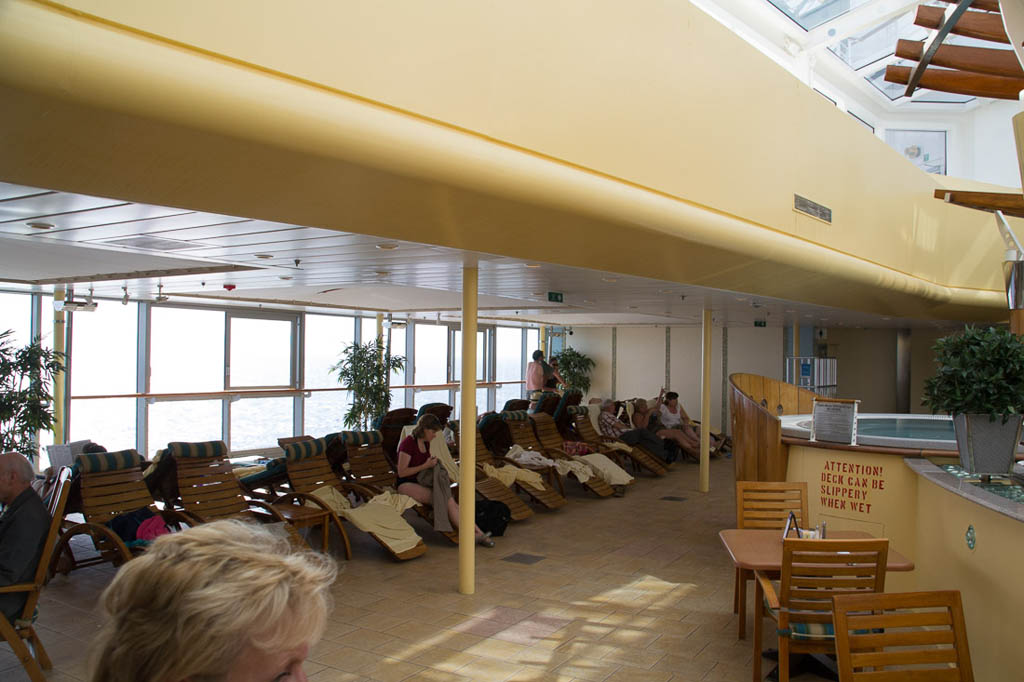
[192,604]
[427,422]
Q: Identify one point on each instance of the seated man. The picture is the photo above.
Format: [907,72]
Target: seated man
[23,528]
[613,428]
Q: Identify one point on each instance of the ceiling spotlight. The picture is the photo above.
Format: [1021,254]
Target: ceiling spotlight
[284,277]
[387,246]
[264,256]
[536,293]
[160,298]
[381,273]
[531,265]
[40,225]
[587,300]
[124,299]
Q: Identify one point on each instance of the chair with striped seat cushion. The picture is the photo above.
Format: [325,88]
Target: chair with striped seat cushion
[813,572]
[112,485]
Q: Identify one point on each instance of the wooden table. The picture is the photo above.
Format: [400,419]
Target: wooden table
[755,549]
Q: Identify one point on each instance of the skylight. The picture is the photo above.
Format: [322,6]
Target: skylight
[810,14]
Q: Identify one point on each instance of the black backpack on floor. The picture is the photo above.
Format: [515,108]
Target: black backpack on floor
[492,517]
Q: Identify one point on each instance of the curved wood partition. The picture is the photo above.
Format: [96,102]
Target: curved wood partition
[756,403]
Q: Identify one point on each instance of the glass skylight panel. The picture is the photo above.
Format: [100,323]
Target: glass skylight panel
[878,41]
[810,14]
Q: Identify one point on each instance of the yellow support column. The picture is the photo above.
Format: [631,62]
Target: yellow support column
[467,435]
[59,336]
[705,407]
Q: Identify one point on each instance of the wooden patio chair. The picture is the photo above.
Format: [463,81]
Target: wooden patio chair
[308,471]
[544,495]
[390,426]
[21,634]
[553,444]
[513,404]
[917,636]
[442,411]
[111,485]
[761,504]
[520,429]
[266,482]
[370,468]
[813,572]
[637,456]
[209,491]
[492,489]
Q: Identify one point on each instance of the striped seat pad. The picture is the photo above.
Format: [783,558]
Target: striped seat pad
[361,437]
[122,460]
[515,416]
[304,449]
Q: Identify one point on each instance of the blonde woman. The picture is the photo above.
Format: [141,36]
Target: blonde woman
[227,601]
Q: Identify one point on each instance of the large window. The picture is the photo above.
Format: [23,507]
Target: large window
[16,315]
[184,420]
[926,149]
[481,347]
[431,354]
[508,364]
[326,337]
[261,352]
[259,422]
[187,353]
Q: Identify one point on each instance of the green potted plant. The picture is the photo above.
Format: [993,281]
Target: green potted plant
[980,382]
[26,393]
[575,368]
[366,370]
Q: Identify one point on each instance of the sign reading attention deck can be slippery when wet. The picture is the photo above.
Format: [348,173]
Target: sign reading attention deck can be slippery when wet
[846,486]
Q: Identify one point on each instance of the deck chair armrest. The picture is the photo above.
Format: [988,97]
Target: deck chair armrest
[289,498]
[361,491]
[770,597]
[265,506]
[19,587]
[176,517]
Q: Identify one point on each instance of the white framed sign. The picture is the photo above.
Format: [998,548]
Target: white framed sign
[834,420]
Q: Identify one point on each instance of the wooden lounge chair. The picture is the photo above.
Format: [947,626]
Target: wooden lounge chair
[267,483]
[209,491]
[111,485]
[764,505]
[308,471]
[513,404]
[493,489]
[924,631]
[442,411]
[814,571]
[520,430]
[553,444]
[21,635]
[637,456]
[370,467]
[544,495]
[390,426]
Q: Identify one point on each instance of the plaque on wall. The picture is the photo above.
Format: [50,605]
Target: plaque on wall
[834,420]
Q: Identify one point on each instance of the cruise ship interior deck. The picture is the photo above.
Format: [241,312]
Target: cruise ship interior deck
[202,204]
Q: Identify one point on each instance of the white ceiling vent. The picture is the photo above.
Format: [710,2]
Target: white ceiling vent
[151,243]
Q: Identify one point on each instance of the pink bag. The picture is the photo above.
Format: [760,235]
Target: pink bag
[151,529]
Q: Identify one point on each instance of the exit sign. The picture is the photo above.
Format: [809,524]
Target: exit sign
[555,296]
[760,323]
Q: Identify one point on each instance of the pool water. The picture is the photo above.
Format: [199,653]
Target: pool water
[1002,486]
[910,427]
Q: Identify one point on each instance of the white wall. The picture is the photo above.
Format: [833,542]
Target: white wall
[640,361]
[993,150]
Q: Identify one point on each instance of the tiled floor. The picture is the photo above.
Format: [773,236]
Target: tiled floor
[635,588]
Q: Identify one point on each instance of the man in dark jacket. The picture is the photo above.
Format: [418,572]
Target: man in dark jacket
[24,524]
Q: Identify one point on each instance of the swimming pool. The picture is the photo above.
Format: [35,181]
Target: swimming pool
[915,431]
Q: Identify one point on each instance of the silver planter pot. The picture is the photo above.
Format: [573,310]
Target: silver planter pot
[987,447]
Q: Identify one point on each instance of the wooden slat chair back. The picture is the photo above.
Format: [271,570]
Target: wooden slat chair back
[390,427]
[521,428]
[763,504]
[902,636]
[814,571]
[553,444]
[637,455]
[368,464]
[111,485]
[210,490]
[442,411]
[513,404]
[22,630]
[491,488]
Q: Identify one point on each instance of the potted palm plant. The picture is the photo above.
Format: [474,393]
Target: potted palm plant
[366,370]
[575,368]
[980,382]
[26,393]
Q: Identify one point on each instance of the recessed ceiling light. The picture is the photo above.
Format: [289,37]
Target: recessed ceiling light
[740,298]
[536,293]
[633,307]
[284,277]
[791,311]
[263,256]
[587,300]
[531,265]
[665,291]
[381,273]
[40,226]
[610,280]
[387,246]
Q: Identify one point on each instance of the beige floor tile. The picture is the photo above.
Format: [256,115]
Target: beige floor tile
[592,669]
[489,670]
[444,659]
[392,670]
[368,640]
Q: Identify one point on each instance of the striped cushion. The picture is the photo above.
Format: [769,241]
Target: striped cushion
[206,450]
[803,631]
[273,468]
[122,460]
[508,402]
[304,449]
[515,416]
[578,409]
[563,403]
[361,437]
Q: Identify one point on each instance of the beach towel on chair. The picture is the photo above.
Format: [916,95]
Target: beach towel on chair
[381,516]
